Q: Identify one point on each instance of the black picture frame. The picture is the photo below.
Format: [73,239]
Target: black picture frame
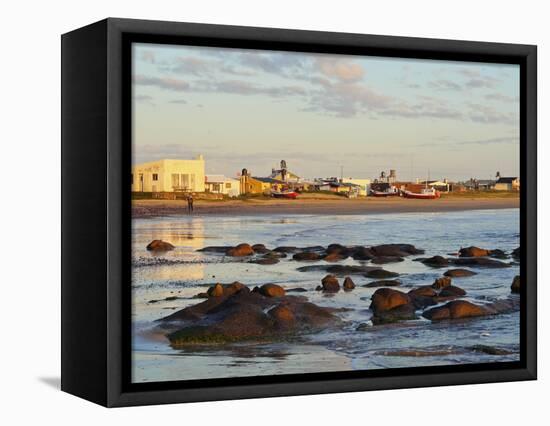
[96,230]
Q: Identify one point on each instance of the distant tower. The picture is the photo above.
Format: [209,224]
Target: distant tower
[393,176]
[283,170]
[498,175]
[243,181]
[382,175]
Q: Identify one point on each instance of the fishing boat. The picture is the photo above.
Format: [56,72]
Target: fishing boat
[424,194]
[392,191]
[284,194]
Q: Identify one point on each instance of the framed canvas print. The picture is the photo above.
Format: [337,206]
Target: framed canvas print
[253,212]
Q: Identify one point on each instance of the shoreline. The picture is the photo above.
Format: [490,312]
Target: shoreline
[142,209]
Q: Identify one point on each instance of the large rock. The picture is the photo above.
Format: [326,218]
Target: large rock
[272,290]
[516,253]
[380,274]
[455,310]
[380,260]
[219,290]
[399,250]
[473,251]
[260,248]
[424,291]
[399,313]
[309,256]
[286,249]
[265,261]
[330,284]
[515,284]
[480,262]
[215,249]
[334,257]
[240,250]
[383,283]
[436,262]
[362,253]
[459,273]
[385,299]
[348,284]
[159,245]
[452,291]
[245,317]
[442,282]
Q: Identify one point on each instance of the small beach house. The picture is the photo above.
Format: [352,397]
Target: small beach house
[220,184]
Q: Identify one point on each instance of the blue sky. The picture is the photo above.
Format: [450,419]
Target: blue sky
[251,109]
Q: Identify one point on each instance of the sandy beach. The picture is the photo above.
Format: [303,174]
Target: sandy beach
[155,208]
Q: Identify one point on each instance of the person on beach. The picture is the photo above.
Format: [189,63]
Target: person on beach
[190,204]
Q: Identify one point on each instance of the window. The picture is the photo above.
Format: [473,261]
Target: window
[155,176]
[185,181]
[216,187]
[228,185]
[175,180]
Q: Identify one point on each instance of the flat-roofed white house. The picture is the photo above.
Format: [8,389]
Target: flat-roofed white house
[363,184]
[220,184]
[169,176]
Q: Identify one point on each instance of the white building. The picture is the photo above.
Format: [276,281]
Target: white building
[220,184]
[169,176]
[364,184]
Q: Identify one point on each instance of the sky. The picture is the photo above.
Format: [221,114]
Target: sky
[324,113]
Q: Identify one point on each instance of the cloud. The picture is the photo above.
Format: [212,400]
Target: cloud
[501,98]
[178,101]
[480,113]
[240,87]
[492,141]
[275,63]
[444,85]
[162,82]
[341,69]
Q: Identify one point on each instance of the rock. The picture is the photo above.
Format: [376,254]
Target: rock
[272,290]
[330,284]
[424,291]
[202,295]
[381,274]
[362,253]
[516,253]
[339,270]
[215,291]
[481,262]
[319,288]
[245,317]
[455,310]
[383,283]
[490,350]
[309,256]
[260,248]
[215,249]
[515,284]
[286,249]
[385,299]
[442,282]
[399,250]
[334,257]
[348,284]
[159,245]
[452,291]
[473,251]
[240,250]
[265,261]
[459,273]
[435,261]
[399,313]
[379,260]
[219,290]
[274,255]
[498,254]
[337,249]
[296,290]
[283,316]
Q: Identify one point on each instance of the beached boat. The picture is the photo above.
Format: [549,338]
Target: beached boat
[424,194]
[284,194]
[392,191]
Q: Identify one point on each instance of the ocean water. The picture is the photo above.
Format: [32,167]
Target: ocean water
[184,272]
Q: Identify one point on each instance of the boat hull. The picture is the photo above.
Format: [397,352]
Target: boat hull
[384,194]
[418,196]
[290,195]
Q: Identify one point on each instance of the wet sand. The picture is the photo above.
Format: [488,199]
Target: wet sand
[343,206]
